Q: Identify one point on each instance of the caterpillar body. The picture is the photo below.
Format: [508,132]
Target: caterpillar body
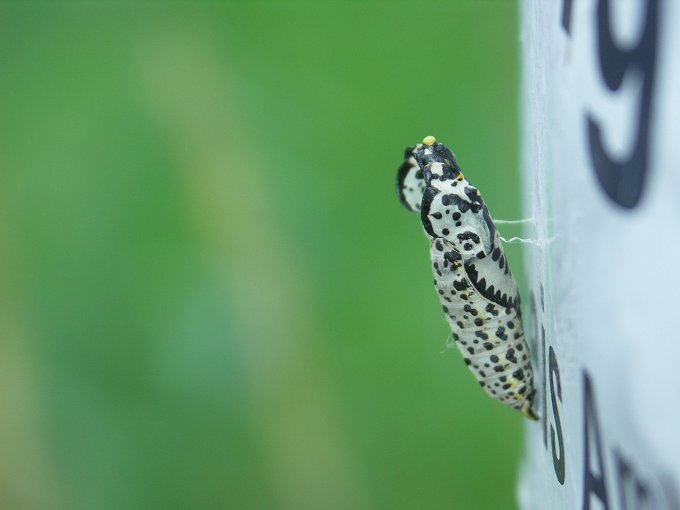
[471,274]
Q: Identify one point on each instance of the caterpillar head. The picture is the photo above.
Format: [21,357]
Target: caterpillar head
[436,161]
[422,163]
[431,182]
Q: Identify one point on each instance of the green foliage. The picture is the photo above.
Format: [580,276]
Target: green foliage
[210,297]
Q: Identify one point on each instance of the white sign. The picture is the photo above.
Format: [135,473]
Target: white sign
[601,146]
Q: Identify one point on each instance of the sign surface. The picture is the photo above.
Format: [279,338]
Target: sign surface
[601,163]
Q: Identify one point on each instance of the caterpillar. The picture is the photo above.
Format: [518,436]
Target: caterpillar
[471,275]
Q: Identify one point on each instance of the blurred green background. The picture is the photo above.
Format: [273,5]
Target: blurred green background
[210,297]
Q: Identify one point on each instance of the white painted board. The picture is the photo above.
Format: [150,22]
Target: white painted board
[601,170]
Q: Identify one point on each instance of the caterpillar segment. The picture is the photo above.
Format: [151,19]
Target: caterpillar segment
[471,274]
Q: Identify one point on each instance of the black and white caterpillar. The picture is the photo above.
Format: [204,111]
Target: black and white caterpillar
[471,274]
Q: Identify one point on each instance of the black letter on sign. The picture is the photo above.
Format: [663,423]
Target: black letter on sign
[623,180]
[567,6]
[558,460]
[544,412]
[592,483]
[633,493]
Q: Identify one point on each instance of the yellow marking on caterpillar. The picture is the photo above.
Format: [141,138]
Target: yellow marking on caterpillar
[460,176]
[429,141]
[527,412]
